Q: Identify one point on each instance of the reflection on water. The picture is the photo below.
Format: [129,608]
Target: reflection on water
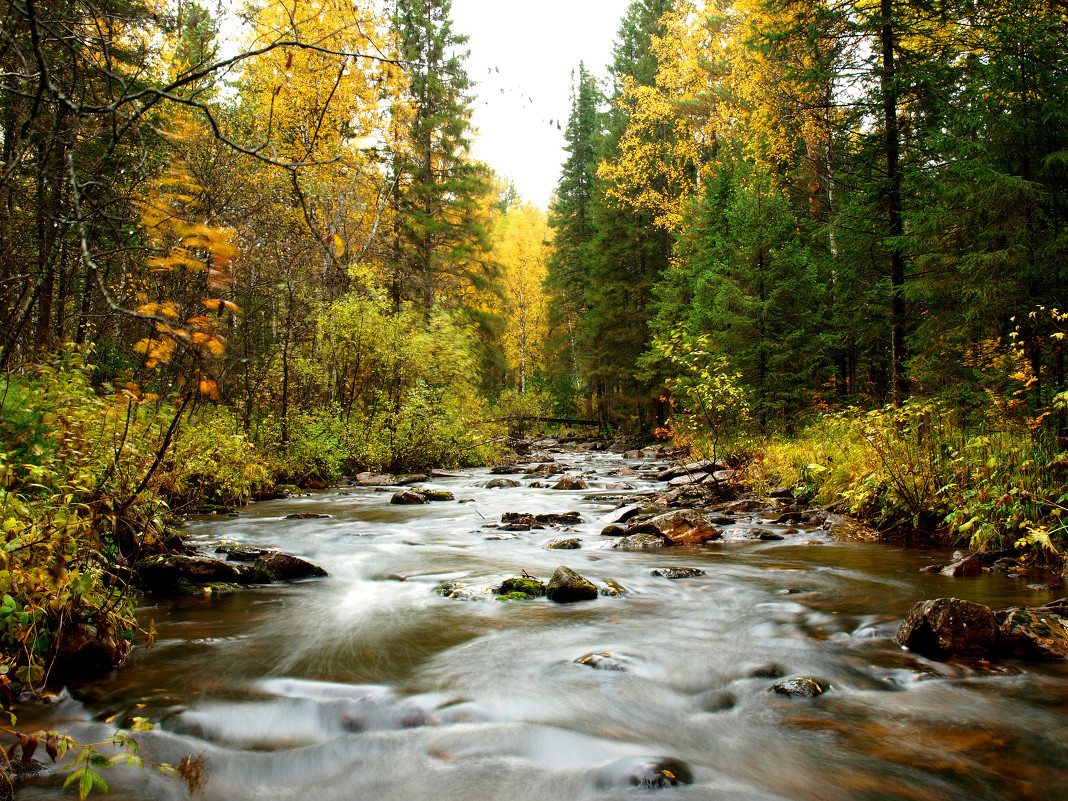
[368,685]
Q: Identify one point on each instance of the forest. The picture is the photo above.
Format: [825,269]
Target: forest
[822,240]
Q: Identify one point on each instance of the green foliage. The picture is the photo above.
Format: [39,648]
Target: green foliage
[715,408]
[989,487]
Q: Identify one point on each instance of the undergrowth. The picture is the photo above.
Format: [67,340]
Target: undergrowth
[917,469]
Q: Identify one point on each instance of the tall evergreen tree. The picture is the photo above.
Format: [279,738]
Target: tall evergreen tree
[571,216]
[632,251]
[440,235]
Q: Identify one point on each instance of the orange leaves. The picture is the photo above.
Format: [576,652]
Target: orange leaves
[155,351]
[208,388]
[173,225]
[218,305]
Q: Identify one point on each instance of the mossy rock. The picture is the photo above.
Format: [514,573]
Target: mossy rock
[527,587]
[515,596]
[437,495]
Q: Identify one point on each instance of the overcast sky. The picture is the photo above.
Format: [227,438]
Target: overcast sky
[528,50]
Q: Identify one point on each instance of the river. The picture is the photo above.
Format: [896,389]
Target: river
[368,685]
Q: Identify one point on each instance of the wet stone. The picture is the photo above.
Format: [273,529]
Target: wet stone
[437,495]
[602,661]
[969,566]
[407,498]
[716,701]
[768,671]
[647,773]
[949,627]
[613,589]
[501,483]
[242,553]
[567,586]
[285,567]
[798,688]
[613,530]
[520,585]
[678,572]
[570,483]
[571,543]
[638,542]
[305,516]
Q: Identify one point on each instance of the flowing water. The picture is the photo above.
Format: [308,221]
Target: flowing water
[368,685]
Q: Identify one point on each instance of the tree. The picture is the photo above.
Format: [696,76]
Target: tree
[439,233]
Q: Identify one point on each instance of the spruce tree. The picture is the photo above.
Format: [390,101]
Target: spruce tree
[571,216]
[440,238]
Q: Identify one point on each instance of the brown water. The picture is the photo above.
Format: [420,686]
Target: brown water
[363,686]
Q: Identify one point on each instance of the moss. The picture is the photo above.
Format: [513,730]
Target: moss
[1023,617]
[529,587]
[515,596]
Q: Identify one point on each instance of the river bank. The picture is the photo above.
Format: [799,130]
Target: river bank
[369,681]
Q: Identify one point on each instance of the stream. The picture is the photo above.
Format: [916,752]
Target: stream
[368,685]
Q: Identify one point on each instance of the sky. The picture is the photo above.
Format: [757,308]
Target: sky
[522,56]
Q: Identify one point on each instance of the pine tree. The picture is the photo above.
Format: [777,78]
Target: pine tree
[440,236]
[571,215]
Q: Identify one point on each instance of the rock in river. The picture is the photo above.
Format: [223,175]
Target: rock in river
[567,586]
[284,567]
[570,543]
[969,566]
[524,586]
[949,627]
[1033,633]
[499,483]
[798,688]
[164,572]
[570,483]
[636,542]
[678,572]
[681,527]
[407,498]
[648,773]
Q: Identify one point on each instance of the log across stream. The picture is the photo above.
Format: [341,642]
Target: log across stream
[367,684]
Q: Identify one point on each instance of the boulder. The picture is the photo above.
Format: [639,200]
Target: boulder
[84,651]
[634,542]
[520,588]
[613,531]
[570,483]
[499,483]
[305,516]
[633,455]
[564,519]
[677,572]
[506,469]
[622,514]
[949,627]
[567,586]
[284,567]
[1032,633]
[746,506]
[570,543]
[688,480]
[411,478]
[646,773]
[242,553]
[374,480]
[165,572]
[437,495]
[613,589]
[798,688]
[407,498]
[675,471]
[969,566]
[681,527]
